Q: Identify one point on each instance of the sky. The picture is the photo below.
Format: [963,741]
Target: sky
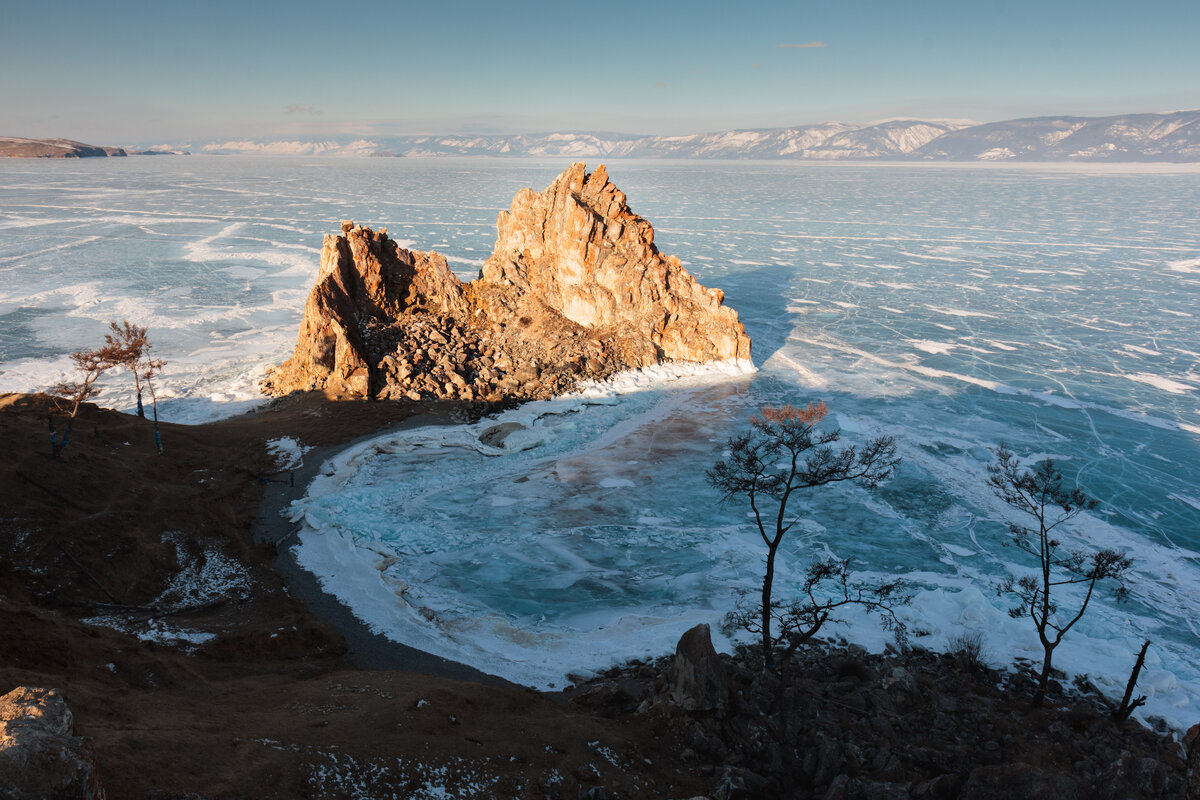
[125,72]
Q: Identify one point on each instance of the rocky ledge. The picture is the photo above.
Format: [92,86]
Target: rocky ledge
[574,290]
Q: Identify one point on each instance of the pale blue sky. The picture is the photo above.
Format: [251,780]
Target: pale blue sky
[143,72]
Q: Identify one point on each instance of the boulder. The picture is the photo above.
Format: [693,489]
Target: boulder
[40,758]
[697,680]
[574,290]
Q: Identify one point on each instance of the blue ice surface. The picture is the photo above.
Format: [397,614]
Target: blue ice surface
[1052,308]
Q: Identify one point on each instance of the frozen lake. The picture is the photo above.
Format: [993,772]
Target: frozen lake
[954,307]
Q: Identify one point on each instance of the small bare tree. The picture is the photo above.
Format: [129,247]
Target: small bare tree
[1040,493]
[781,454]
[91,364]
[130,341]
[825,590]
[133,344]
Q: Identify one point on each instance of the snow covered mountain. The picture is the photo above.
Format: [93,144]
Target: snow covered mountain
[1128,137]
[358,147]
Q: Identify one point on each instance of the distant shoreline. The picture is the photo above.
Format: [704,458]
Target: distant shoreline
[17,147]
[1066,167]
[1130,138]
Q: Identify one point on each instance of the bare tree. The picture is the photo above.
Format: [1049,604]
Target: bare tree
[130,341]
[826,588]
[91,364]
[781,454]
[1040,493]
[133,345]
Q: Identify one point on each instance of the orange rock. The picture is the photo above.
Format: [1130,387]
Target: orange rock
[574,271]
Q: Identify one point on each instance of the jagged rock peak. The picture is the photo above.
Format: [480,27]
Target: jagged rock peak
[575,289]
[364,276]
[577,248]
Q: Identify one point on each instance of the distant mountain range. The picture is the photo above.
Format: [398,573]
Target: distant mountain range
[1171,137]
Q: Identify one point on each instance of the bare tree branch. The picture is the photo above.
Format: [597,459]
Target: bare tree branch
[784,453]
[1039,492]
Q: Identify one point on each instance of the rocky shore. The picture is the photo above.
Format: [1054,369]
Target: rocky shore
[147,591]
[135,585]
[842,724]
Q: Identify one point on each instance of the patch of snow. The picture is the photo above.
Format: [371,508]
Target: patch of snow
[287,452]
[935,348]
[1191,265]
[1160,382]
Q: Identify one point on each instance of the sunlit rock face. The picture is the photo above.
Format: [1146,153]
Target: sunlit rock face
[574,290]
[578,251]
[365,277]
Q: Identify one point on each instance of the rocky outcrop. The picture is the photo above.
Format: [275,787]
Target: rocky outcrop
[40,759]
[697,676]
[576,250]
[366,282]
[575,289]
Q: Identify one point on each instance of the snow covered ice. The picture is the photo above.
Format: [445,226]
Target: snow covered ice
[1052,308]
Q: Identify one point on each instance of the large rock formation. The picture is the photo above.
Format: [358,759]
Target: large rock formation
[575,289]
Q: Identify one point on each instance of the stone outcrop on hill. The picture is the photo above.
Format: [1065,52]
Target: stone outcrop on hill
[697,675]
[575,289]
[40,758]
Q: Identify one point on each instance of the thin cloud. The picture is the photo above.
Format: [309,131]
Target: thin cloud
[801,45]
[302,108]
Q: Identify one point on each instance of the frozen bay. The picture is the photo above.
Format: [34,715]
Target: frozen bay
[955,308]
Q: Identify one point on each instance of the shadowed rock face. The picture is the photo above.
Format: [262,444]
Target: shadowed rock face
[575,289]
[698,679]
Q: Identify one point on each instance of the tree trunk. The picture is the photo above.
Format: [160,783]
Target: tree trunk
[1040,695]
[1128,704]
[783,702]
[65,440]
[154,404]
[768,580]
